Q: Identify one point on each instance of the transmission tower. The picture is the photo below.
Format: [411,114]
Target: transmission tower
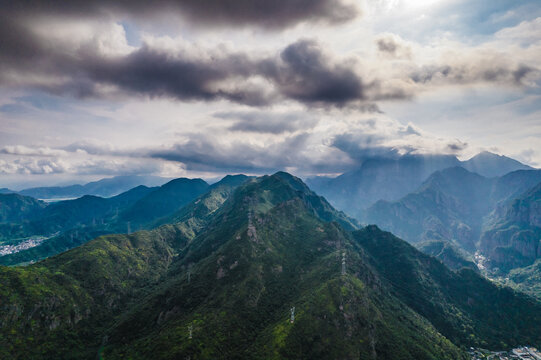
[344,263]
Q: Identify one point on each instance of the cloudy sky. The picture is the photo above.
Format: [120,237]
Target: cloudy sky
[204,88]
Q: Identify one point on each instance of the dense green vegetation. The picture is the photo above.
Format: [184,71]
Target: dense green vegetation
[15,208]
[450,254]
[228,271]
[166,199]
[467,308]
[527,279]
[71,223]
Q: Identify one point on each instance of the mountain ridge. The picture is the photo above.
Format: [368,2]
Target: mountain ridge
[105,187]
[226,290]
[390,179]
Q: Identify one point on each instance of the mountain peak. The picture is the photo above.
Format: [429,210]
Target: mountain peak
[231,180]
[292,181]
[492,165]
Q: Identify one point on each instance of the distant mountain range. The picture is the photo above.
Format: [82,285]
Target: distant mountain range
[105,187]
[391,179]
[489,165]
[497,219]
[512,234]
[256,268]
[15,207]
[481,210]
[70,223]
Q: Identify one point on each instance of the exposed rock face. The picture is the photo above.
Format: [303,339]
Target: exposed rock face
[450,205]
[513,232]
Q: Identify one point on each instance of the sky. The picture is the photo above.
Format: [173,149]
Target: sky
[206,88]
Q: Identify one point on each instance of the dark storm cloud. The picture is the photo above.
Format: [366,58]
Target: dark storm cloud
[387,45]
[159,74]
[260,13]
[393,47]
[302,72]
[308,75]
[360,147]
[457,146]
[20,48]
[474,72]
[521,72]
[204,153]
[265,122]
[32,60]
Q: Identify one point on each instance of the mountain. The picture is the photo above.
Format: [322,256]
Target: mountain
[449,206]
[526,279]
[163,201]
[391,179]
[449,253]
[227,289]
[197,214]
[512,235]
[55,192]
[64,215]
[70,223]
[103,188]
[6,191]
[492,165]
[15,207]
[66,224]
[462,305]
[513,185]
[457,214]
[379,179]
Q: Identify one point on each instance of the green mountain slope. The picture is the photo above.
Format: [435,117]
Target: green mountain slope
[68,224]
[526,279]
[165,200]
[228,273]
[467,308]
[61,307]
[15,207]
[267,251]
[450,254]
[71,223]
